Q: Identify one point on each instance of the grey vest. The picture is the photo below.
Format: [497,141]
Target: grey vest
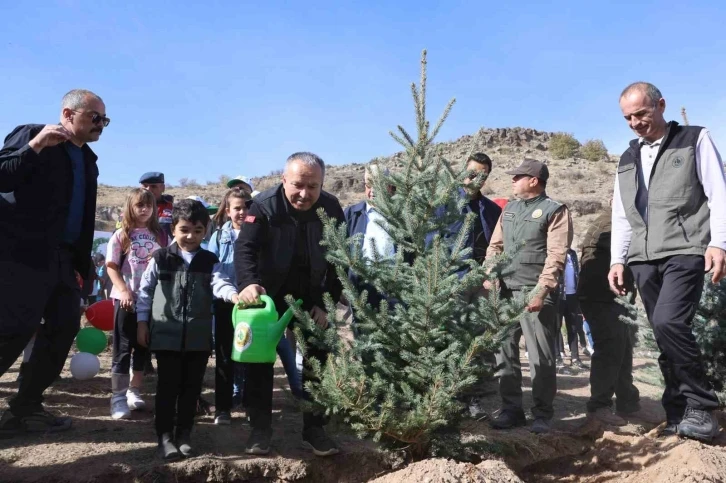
[678,213]
[524,227]
[181,310]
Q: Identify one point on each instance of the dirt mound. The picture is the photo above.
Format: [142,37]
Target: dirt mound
[625,458]
[439,470]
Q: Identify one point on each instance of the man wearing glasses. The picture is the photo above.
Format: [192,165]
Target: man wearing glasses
[47,236]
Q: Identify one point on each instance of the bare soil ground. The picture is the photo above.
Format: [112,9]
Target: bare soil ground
[99,449]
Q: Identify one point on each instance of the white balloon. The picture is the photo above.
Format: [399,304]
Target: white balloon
[85,366]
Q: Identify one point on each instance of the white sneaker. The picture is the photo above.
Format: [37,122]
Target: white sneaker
[119,408]
[588,350]
[133,399]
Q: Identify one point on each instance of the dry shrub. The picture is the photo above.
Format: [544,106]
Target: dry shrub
[585,207]
[563,145]
[594,150]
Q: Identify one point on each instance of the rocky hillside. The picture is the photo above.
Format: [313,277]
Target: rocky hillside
[583,185]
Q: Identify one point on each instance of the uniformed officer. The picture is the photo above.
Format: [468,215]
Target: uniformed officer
[154,182]
[535,231]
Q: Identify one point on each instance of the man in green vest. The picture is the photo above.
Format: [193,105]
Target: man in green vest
[535,231]
[669,226]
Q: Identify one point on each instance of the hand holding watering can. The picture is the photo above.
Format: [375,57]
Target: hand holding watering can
[251,296]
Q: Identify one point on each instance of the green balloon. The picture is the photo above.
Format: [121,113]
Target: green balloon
[91,340]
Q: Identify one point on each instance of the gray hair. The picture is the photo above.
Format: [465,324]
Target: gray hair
[308,159]
[651,91]
[78,98]
[373,170]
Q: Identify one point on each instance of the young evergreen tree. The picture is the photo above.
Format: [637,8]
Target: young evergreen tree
[413,354]
[709,327]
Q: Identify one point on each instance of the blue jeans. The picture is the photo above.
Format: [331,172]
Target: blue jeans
[588,333]
[287,357]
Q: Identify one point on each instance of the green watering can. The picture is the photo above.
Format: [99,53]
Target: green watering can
[257,331]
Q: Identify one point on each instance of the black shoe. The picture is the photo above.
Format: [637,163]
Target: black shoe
[671,429]
[509,420]
[319,442]
[183,442]
[222,418]
[578,364]
[204,408]
[167,449]
[698,424]
[259,441]
[38,422]
[628,409]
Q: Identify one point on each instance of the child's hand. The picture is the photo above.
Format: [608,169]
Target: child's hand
[126,300]
[142,334]
[235,299]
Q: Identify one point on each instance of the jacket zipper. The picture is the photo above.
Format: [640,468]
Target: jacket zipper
[184,310]
[650,179]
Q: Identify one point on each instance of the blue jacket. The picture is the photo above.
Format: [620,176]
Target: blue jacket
[356,218]
[222,245]
[489,213]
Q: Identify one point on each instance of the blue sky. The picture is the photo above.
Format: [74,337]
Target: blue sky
[199,89]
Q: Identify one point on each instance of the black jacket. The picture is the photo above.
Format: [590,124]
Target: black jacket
[32,227]
[264,249]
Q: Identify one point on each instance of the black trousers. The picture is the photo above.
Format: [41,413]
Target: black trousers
[570,311]
[258,393]
[27,296]
[611,369]
[224,372]
[179,377]
[125,343]
[671,290]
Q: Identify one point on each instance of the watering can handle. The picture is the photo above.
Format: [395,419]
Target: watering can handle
[265,301]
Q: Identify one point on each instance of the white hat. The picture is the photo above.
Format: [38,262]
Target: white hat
[243,179]
[199,199]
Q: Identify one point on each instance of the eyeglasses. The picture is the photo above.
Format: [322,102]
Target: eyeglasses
[97,118]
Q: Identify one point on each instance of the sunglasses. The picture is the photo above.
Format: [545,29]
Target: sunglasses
[97,118]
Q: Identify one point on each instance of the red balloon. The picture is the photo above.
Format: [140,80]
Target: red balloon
[100,314]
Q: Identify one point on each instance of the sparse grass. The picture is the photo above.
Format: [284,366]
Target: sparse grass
[585,207]
[188,183]
[572,174]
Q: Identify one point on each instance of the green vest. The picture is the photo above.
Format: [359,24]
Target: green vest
[678,213]
[524,228]
[181,310]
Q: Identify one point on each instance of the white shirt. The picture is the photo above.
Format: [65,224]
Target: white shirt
[709,169]
[383,241]
[570,287]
